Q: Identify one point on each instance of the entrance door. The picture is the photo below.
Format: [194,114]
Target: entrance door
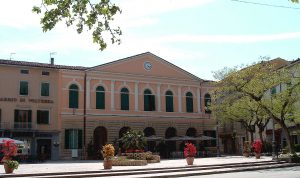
[100,139]
[44,149]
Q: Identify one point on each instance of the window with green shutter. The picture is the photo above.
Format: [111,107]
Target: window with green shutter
[73,139]
[273,90]
[45,89]
[207,103]
[42,116]
[149,101]
[124,99]
[189,102]
[100,97]
[169,101]
[73,96]
[23,88]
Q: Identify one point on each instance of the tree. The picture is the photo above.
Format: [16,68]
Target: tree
[133,140]
[255,82]
[83,14]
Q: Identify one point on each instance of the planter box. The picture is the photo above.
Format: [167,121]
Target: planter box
[129,162]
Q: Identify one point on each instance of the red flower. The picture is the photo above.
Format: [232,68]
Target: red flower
[257,145]
[9,149]
[190,150]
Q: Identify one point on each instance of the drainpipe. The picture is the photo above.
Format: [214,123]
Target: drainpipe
[84,117]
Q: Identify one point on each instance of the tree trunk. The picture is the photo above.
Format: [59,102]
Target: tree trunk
[251,136]
[289,142]
[260,135]
[247,135]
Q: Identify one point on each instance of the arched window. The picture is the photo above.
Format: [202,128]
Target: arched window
[100,97]
[73,96]
[169,102]
[207,103]
[149,101]
[124,99]
[189,102]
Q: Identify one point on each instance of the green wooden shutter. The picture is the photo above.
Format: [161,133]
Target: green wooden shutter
[23,88]
[45,89]
[146,103]
[73,99]
[124,101]
[79,139]
[67,141]
[153,102]
[169,104]
[100,100]
[189,104]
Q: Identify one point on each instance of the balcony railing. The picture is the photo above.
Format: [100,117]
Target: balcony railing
[4,125]
[22,125]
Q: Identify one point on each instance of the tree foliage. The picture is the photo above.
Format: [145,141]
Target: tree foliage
[133,140]
[251,86]
[84,15]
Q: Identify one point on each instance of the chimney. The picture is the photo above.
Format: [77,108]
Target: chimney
[52,61]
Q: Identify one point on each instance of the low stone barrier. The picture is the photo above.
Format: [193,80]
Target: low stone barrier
[129,162]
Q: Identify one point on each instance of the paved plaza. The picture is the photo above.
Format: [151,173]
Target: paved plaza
[96,165]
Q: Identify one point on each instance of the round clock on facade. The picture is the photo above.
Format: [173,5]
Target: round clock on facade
[147,65]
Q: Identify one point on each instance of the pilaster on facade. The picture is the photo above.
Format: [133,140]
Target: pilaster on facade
[198,101]
[88,93]
[136,96]
[179,100]
[158,98]
[112,94]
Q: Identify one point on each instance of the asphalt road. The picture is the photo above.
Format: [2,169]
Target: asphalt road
[291,172]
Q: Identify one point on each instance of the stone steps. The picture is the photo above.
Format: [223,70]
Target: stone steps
[179,171]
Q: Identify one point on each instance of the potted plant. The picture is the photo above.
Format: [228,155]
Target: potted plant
[108,151]
[9,149]
[189,153]
[246,149]
[257,146]
[133,141]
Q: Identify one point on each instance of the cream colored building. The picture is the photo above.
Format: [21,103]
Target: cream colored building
[98,104]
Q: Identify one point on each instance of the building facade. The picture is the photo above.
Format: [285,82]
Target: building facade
[88,107]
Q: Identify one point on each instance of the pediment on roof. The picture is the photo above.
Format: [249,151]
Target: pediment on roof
[145,64]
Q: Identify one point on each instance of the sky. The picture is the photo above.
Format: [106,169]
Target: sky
[199,36]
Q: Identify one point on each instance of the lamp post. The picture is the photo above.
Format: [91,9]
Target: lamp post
[217,139]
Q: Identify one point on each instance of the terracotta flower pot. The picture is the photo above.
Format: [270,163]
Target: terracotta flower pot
[107,163]
[257,155]
[190,160]
[8,170]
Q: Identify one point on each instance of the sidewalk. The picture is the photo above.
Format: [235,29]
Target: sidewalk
[86,165]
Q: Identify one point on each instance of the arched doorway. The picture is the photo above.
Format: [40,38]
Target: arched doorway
[171,145]
[122,131]
[148,131]
[100,139]
[191,132]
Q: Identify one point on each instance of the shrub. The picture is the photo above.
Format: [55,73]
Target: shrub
[257,146]
[190,150]
[133,140]
[297,147]
[9,149]
[247,148]
[12,164]
[108,151]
